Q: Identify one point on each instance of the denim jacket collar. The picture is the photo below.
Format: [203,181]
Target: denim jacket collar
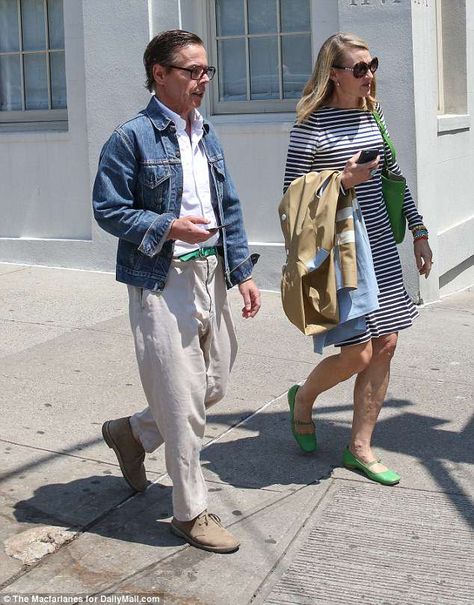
[159,119]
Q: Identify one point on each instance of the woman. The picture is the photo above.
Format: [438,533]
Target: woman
[334,123]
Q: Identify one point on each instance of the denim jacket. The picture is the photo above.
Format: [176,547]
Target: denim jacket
[137,194]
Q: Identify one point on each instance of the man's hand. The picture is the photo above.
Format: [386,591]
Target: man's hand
[251,296]
[187,230]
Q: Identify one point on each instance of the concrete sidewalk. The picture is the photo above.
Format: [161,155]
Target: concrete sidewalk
[311,532]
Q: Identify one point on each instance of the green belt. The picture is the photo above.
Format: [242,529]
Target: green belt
[199,253]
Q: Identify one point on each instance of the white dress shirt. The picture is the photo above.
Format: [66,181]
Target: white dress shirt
[196,199]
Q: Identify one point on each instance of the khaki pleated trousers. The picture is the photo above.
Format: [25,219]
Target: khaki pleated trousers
[185,345]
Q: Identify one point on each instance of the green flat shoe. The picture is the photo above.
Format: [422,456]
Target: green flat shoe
[387,477]
[307,442]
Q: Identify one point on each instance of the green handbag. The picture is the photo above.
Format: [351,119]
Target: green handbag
[393,188]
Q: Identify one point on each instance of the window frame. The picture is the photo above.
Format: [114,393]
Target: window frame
[250,106]
[35,119]
[445,48]
[440,56]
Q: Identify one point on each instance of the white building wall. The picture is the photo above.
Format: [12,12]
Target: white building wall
[454,194]
[44,175]
[47,177]
[115,36]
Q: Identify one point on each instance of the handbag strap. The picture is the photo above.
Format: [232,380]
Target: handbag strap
[385,136]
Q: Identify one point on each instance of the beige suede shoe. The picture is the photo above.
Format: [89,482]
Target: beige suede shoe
[206,532]
[130,454]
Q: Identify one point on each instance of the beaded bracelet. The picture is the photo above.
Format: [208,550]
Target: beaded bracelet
[419,232]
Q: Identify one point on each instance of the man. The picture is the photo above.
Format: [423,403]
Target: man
[163,189]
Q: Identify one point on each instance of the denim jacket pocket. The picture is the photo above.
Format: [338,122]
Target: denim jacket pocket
[154,180]
[219,168]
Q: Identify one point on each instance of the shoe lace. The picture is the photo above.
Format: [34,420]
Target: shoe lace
[205,517]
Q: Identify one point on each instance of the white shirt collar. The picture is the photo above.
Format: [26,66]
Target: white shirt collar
[197,120]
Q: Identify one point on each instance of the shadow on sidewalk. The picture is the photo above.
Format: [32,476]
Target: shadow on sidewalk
[136,518]
[272,457]
[267,458]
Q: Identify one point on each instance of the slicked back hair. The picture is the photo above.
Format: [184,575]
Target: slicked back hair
[162,48]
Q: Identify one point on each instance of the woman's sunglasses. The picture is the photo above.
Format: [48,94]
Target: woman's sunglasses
[360,69]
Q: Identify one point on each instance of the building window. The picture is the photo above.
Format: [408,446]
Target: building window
[262,50]
[452,57]
[32,65]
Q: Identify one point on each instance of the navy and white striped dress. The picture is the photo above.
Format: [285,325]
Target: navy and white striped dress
[326,140]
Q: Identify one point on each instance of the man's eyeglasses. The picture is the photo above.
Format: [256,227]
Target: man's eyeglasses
[360,69]
[197,72]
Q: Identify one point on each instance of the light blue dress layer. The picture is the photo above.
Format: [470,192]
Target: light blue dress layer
[354,303]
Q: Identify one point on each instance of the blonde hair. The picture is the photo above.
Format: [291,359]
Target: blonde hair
[320,88]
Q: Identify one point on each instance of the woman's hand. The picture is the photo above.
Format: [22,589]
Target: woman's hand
[354,173]
[423,256]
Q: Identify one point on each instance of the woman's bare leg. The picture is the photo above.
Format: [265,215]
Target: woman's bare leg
[369,394]
[328,373]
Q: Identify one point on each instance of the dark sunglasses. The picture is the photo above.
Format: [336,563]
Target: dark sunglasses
[196,71]
[360,69]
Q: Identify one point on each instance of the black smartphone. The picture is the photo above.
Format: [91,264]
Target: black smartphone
[215,227]
[367,155]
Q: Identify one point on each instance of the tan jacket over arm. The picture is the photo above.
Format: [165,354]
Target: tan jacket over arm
[314,221]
